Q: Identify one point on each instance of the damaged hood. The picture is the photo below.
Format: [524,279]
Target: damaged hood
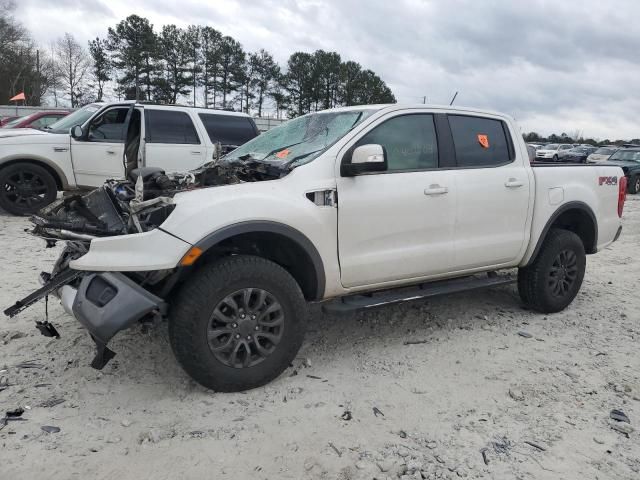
[145,201]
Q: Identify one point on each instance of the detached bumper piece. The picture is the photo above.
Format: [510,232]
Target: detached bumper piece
[106,303]
[50,286]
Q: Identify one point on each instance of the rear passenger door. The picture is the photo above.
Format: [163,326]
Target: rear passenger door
[493,189]
[172,141]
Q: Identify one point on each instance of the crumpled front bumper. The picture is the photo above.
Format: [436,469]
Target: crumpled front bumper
[106,303]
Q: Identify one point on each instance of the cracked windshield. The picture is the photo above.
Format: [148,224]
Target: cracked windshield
[301,140]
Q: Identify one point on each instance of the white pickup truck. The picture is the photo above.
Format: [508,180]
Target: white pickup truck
[92,145]
[354,207]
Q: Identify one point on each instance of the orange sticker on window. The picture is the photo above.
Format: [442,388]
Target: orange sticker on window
[283,153]
[483,140]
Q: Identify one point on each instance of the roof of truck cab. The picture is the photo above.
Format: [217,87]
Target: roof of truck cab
[398,106]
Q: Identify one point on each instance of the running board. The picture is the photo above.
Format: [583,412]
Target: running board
[417,292]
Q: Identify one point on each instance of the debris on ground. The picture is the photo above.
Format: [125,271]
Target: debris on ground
[524,334]
[619,416]
[29,364]
[517,395]
[377,412]
[52,402]
[535,445]
[622,427]
[485,458]
[346,415]
[50,429]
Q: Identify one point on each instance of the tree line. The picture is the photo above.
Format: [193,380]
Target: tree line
[576,137]
[198,65]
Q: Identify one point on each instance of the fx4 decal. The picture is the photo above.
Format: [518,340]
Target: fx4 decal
[608,181]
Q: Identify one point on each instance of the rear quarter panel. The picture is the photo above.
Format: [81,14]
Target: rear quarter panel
[594,186]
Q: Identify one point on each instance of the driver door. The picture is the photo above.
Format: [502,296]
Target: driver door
[98,155]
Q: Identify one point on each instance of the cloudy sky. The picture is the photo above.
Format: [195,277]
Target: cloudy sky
[557,66]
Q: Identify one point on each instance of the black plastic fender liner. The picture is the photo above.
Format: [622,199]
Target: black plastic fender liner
[109,302]
[573,205]
[272,227]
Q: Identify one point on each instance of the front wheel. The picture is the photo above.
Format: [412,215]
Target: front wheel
[237,323]
[634,184]
[555,158]
[551,282]
[25,188]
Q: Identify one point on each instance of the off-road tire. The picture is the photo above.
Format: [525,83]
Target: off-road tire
[535,281]
[634,185]
[43,183]
[192,308]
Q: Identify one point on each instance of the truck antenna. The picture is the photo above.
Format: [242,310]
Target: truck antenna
[453,99]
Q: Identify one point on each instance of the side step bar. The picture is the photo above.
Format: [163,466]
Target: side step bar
[423,290]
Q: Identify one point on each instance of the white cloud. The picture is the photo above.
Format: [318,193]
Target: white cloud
[556,66]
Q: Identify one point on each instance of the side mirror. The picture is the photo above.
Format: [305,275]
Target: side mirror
[364,159]
[76,132]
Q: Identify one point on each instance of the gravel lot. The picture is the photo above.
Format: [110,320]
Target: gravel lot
[357,403]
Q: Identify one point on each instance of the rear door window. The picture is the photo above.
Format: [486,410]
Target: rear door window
[480,142]
[229,130]
[174,127]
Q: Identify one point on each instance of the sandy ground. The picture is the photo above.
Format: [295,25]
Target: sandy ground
[474,386]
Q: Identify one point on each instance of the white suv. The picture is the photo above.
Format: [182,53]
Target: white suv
[553,151]
[104,141]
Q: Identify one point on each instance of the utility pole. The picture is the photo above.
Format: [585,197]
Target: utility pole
[424,99]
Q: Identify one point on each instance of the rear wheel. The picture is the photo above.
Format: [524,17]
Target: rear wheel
[554,278]
[25,188]
[634,184]
[237,323]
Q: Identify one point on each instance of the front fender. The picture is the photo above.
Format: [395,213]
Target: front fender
[140,252]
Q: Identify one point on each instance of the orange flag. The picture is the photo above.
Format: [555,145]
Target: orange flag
[19,96]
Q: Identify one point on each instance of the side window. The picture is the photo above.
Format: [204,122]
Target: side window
[109,126]
[228,129]
[409,140]
[479,141]
[165,126]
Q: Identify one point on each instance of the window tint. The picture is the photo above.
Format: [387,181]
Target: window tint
[228,129]
[479,141]
[164,126]
[109,126]
[410,142]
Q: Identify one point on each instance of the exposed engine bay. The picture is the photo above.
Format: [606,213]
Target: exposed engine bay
[138,204]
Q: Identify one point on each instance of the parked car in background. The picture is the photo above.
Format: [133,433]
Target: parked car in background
[5,120]
[577,154]
[106,141]
[38,120]
[552,151]
[629,160]
[602,154]
[535,146]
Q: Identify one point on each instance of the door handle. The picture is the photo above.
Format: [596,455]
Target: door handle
[435,190]
[111,152]
[513,183]
[195,152]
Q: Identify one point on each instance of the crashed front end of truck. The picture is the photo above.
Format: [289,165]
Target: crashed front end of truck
[108,302]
